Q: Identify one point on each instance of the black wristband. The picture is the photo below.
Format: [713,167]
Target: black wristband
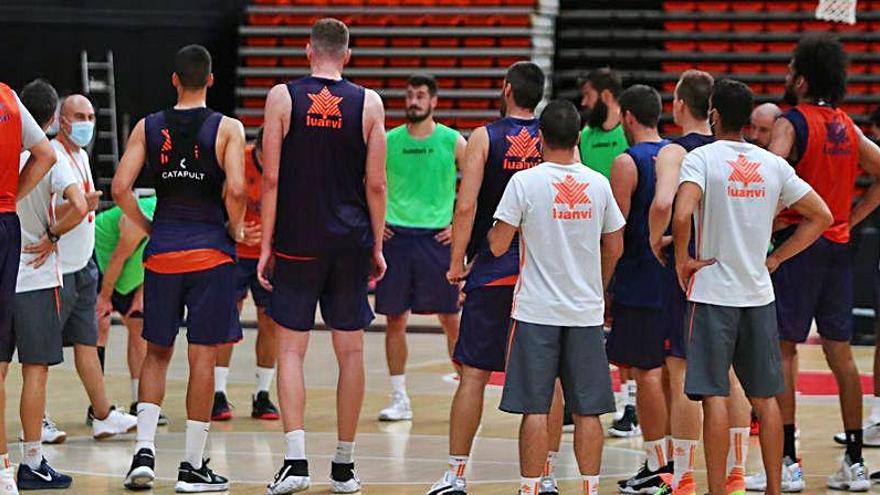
[53,238]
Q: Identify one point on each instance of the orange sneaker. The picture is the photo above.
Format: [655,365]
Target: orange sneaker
[736,482]
[687,486]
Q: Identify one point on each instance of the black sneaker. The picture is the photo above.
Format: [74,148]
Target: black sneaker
[44,478]
[192,480]
[142,472]
[875,477]
[647,481]
[343,478]
[262,407]
[222,410]
[628,424]
[133,410]
[293,477]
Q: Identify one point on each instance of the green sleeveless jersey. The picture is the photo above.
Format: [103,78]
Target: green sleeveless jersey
[107,237]
[599,148]
[421,178]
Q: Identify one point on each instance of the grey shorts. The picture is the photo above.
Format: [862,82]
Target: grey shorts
[721,336]
[541,353]
[79,296]
[36,323]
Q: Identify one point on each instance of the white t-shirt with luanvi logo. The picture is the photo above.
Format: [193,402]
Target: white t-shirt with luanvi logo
[742,186]
[562,212]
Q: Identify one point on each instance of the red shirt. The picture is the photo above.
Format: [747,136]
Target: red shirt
[10,148]
[253,177]
[828,146]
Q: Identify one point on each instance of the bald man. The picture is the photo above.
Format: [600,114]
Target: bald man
[763,117]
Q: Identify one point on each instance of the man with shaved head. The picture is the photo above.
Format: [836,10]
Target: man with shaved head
[763,117]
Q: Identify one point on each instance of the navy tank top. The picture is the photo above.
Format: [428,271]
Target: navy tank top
[182,161]
[322,200]
[694,140]
[639,276]
[514,145]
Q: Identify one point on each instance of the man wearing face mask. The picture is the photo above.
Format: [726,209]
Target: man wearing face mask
[602,139]
[421,168]
[80,285]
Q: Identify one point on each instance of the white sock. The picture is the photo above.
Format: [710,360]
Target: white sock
[296,444]
[398,384]
[738,449]
[656,453]
[31,454]
[344,453]
[196,436]
[529,486]
[264,379]
[630,393]
[683,453]
[220,375]
[135,385]
[668,448]
[148,420]
[875,410]
[550,465]
[457,465]
[591,485]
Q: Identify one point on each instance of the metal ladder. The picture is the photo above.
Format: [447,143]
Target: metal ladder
[99,83]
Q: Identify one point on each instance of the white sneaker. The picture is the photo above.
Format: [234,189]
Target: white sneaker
[448,484]
[851,477]
[50,433]
[116,423]
[286,483]
[351,486]
[7,482]
[398,410]
[549,485]
[870,437]
[792,479]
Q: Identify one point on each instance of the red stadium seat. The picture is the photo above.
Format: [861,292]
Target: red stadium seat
[713,67]
[712,26]
[405,62]
[748,26]
[713,46]
[260,41]
[782,26]
[445,103]
[679,46]
[669,86]
[516,42]
[474,104]
[679,6]
[260,61]
[781,46]
[680,25]
[747,6]
[480,20]
[264,19]
[858,27]
[253,102]
[856,46]
[776,68]
[371,82]
[749,46]
[300,19]
[479,42]
[514,21]
[373,20]
[406,20]
[443,42]
[251,120]
[369,41]
[301,61]
[476,61]
[858,88]
[747,68]
[443,20]
[708,6]
[776,6]
[858,68]
[259,82]
[477,82]
[441,61]
[508,61]
[407,42]
[816,26]
[676,67]
[368,61]
[394,103]
[774,88]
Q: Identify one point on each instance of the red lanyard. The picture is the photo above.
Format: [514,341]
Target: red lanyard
[83,174]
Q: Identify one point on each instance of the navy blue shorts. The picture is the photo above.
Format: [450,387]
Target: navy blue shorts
[673,317]
[246,273]
[485,325]
[817,283]
[10,251]
[338,281]
[416,276]
[637,338]
[209,299]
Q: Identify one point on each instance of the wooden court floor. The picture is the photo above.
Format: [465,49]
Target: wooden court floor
[393,459]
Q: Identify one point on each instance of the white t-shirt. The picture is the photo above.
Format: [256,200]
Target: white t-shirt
[76,247]
[31,132]
[34,212]
[562,212]
[742,185]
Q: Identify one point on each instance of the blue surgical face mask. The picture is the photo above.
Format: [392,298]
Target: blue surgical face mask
[81,133]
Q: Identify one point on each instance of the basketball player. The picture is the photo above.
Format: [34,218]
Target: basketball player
[495,152]
[825,148]
[323,216]
[567,216]
[603,139]
[18,132]
[730,190]
[639,326]
[422,163]
[762,119]
[195,156]
[119,253]
[246,272]
[690,110]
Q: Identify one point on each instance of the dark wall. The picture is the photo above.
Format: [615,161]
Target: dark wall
[43,38]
